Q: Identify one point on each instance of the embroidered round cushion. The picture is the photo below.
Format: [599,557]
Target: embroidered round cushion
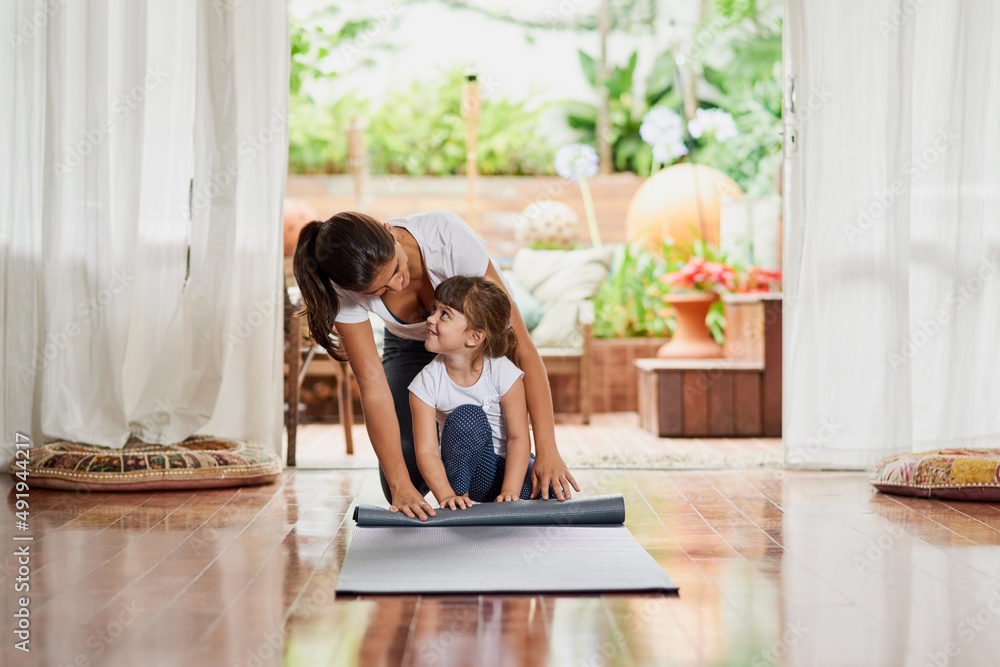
[951,474]
[196,463]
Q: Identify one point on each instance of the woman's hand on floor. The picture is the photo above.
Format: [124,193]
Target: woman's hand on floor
[460,502]
[411,503]
[550,469]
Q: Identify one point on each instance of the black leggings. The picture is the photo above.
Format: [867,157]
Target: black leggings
[470,462]
[402,360]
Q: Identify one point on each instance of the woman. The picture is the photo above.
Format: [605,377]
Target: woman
[351,265]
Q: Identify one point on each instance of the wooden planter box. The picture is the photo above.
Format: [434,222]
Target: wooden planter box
[737,395]
[700,397]
[613,376]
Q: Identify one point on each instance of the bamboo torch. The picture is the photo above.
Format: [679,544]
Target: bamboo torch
[356,160]
[471,107]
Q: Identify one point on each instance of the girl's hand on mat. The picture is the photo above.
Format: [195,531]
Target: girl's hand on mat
[412,504]
[508,496]
[456,502]
[550,469]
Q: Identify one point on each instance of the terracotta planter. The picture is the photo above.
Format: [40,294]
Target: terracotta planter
[691,339]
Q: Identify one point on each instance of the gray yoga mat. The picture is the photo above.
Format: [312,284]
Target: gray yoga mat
[576,511]
[576,546]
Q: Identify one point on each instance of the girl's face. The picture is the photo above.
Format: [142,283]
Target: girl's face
[448,330]
[394,277]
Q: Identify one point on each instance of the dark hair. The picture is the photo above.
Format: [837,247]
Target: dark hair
[486,308]
[348,251]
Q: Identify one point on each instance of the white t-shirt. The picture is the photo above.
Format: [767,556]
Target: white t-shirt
[449,248]
[433,386]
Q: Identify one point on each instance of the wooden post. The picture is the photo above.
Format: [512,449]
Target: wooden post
[471,108]
[603,128]
[293,350]
[356,161]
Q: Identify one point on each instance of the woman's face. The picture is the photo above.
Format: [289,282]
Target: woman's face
[394,276]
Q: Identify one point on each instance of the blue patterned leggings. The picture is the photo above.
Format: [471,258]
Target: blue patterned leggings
[469,460]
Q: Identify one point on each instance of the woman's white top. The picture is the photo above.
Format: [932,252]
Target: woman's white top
[433,386]
[449,248]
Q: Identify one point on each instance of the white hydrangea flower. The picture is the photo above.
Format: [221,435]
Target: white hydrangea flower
[576,156]
[663,129]
[661,126]
[668,152]
[709,120]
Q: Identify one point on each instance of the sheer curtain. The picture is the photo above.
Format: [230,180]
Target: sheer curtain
[142,167]
[892,252]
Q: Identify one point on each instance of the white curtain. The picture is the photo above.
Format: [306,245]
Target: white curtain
[892,249]
[142,172]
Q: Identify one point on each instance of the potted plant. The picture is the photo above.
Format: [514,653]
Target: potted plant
[692,290]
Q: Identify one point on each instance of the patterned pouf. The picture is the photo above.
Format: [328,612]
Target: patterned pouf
[199,462]
[951,474]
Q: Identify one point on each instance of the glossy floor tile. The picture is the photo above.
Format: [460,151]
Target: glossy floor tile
[775,568]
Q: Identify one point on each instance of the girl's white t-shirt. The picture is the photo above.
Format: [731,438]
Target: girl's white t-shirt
[449,248]
[433,386]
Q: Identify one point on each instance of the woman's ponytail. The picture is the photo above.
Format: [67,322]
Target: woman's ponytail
[320,300]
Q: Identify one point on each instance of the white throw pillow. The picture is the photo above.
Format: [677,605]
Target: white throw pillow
[560,280]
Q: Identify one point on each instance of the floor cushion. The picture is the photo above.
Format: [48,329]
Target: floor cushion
[199,462]
[952,474]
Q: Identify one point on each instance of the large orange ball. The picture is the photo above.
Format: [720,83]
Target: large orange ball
[682,202]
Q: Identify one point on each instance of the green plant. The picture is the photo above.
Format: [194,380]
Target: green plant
[417,130]
[747,85]
[420,131]
[624,305]
[325,30]
[627,108]
[750,88]
[317,135]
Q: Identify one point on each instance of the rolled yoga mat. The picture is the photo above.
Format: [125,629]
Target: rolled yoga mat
[535,546]
[596,510]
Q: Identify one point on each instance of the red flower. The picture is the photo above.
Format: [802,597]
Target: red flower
[761,280]
[702,275]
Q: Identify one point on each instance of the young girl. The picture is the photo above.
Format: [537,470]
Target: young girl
[474,394]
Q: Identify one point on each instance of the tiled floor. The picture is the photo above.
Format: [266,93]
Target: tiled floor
[774,568]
